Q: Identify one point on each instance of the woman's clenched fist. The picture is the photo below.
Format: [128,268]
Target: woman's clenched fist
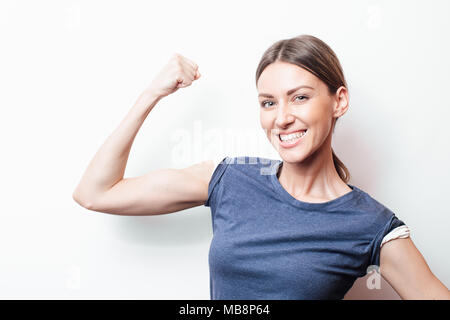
[179,72]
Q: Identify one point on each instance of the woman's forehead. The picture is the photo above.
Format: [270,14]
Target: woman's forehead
[276,82]
[286,86]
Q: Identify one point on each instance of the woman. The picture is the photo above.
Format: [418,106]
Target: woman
[290,229]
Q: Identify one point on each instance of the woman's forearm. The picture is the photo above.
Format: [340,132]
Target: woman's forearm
[108,165]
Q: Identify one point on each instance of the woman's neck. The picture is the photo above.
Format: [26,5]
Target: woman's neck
[313,180]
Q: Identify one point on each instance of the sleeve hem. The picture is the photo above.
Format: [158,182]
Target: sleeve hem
[399,232]
[218,171]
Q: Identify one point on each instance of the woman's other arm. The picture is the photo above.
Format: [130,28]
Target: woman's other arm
[405,269]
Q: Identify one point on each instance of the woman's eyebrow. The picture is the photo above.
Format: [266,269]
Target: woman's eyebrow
[289,92]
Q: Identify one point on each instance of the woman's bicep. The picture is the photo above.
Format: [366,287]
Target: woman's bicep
[158,192]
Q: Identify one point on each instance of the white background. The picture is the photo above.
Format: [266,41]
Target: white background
[71,70]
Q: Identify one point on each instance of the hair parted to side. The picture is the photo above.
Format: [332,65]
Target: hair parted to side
[315,56]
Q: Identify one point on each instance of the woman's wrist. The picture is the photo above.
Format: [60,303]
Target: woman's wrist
[147,100]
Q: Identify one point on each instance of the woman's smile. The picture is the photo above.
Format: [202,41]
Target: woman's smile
[291,140]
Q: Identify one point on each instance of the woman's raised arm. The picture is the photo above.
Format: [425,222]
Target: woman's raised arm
[102,186]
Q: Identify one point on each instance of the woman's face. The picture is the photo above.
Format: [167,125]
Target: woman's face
[309,108]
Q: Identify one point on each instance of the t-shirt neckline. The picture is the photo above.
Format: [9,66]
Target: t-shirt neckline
[286,196]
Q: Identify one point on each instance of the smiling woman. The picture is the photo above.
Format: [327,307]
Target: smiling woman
[295,230]
[301,231]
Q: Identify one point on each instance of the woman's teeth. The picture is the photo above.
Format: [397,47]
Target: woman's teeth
[292,136]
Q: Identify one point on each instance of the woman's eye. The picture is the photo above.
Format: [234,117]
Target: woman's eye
[263,104]
[305,97]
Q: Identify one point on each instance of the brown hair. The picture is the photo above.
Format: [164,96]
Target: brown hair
[314,55]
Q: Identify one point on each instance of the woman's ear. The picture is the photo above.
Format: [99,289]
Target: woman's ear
[342,102]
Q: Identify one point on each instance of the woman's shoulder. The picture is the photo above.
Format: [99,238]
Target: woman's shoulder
[378,212]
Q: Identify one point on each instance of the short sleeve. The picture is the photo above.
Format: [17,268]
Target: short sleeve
[399,232]
[392,223]
[215,178]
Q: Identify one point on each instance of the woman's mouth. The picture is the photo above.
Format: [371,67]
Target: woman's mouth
[291,140]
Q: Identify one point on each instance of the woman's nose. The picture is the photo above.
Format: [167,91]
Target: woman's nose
[284,116]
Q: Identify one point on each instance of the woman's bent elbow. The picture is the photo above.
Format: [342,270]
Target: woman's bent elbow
[85,203]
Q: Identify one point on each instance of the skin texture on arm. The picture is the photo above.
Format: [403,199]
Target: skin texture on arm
[160,191]
[404,268]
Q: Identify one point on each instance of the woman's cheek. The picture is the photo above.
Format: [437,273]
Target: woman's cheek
[265,123]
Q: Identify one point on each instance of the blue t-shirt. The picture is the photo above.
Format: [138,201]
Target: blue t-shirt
[269,245]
